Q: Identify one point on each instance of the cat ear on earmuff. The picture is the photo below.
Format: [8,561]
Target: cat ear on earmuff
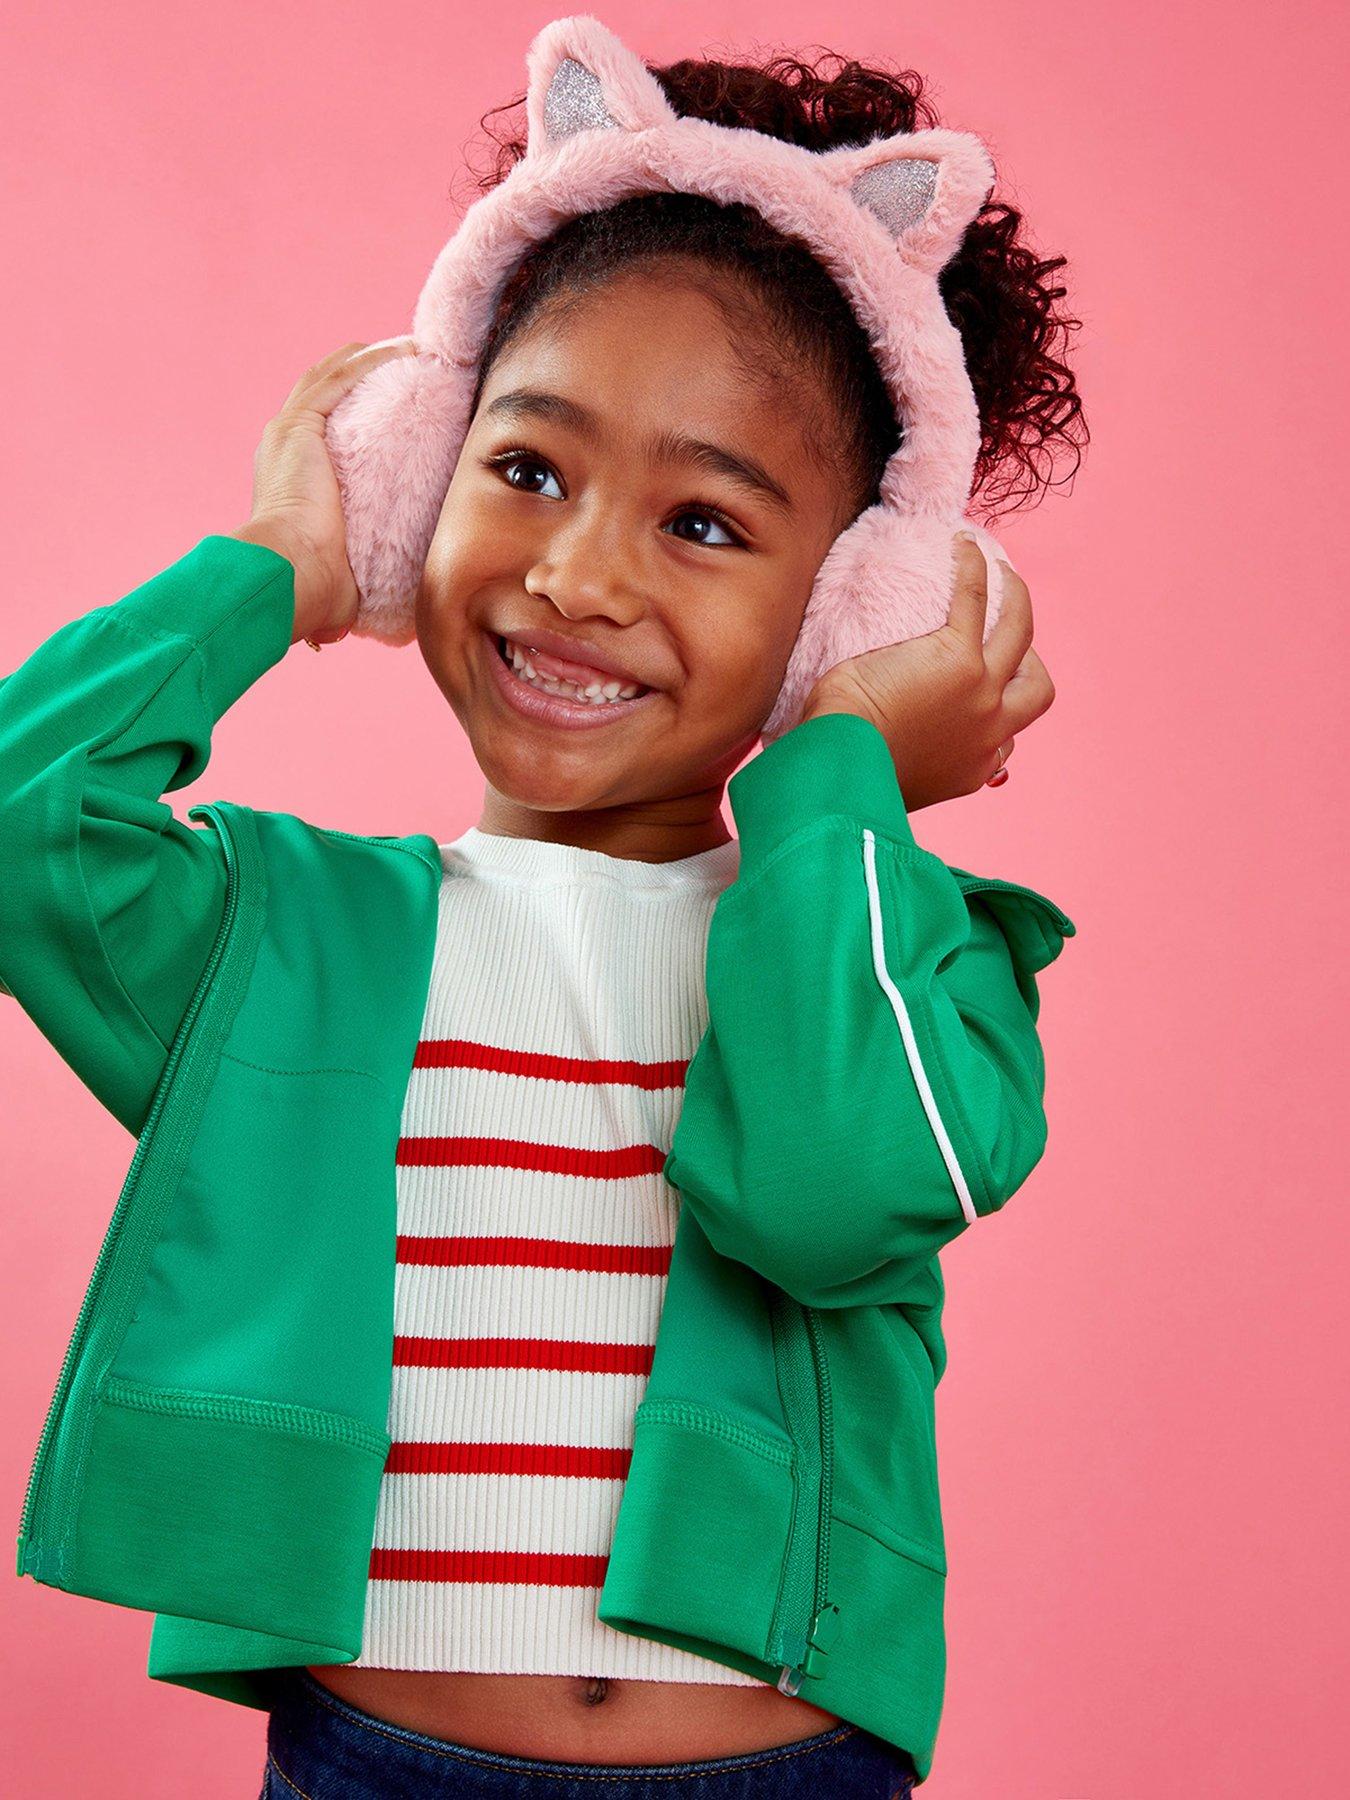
[575,101]
[925,188]
[583,78]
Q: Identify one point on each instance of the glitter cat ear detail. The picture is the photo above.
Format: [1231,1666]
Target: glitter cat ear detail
[615,91]
[574,102]
[884,218]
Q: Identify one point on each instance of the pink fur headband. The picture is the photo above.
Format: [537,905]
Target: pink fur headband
[883,218]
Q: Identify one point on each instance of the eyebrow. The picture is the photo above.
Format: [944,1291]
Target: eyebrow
[666,446]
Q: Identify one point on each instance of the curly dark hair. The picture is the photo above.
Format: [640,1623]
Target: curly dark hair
[997,291]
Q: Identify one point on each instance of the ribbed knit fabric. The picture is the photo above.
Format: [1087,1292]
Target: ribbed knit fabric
[534,1234]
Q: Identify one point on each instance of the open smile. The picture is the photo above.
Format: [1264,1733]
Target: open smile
[547,707]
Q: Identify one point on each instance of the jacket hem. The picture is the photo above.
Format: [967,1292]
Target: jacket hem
[886,1667]
[696,1556]
[208,1508]
[697,1561]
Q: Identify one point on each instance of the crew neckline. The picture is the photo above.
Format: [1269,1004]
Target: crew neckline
[708,870]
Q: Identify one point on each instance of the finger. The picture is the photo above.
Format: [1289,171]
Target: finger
[970,591]
[342,358]
[1030,668]
[1008,642]
[329,383]
[1029,693]
[996,769]
[320,367]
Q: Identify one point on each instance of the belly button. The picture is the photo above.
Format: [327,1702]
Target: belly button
[597,1689]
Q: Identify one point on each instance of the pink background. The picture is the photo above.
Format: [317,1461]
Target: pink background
[1142,1430]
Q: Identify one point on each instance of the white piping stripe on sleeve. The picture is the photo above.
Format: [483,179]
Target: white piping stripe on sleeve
[911,1044]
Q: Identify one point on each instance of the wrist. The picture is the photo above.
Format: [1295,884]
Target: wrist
[309,589]
[819,708]
[819,769]
[825,699]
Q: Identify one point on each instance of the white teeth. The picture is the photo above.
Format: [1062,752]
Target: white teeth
[596,693]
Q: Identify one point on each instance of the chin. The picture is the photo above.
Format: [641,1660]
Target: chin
[521,773]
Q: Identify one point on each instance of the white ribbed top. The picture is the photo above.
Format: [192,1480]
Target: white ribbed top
[534,1233]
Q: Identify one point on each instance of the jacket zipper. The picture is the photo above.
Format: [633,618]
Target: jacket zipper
[182,1052]
[802,1647]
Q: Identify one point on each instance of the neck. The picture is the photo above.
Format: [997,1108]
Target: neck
[652,831]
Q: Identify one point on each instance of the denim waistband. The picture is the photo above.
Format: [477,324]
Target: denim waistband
[320,1747]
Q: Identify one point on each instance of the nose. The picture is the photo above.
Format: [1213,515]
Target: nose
[589,565]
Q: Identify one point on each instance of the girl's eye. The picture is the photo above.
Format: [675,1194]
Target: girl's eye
[719,520]
[508,462]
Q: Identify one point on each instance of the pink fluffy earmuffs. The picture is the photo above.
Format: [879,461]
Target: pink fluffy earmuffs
[884,218]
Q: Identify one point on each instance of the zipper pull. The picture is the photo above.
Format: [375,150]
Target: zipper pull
[824,1628]
[790,1675]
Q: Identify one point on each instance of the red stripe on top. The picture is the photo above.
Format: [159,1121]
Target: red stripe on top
[463,1053]
[516,1153]
[542,1567]
[508,1459]
[522,1353]
[534,1253]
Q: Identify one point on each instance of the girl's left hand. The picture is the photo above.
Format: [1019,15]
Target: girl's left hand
[946,702]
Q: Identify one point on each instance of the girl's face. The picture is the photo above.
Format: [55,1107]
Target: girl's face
[624,485]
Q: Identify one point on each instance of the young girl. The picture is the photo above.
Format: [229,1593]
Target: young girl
[397,1394]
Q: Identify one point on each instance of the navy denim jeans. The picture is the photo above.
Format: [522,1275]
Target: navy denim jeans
[321,1748]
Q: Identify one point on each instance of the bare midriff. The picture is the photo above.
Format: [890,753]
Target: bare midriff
[580,1718]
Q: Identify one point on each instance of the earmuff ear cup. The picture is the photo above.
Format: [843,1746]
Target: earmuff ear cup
[394,441]
[887,578]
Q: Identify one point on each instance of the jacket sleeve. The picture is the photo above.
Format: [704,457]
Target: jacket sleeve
[871,1079]
[109,905]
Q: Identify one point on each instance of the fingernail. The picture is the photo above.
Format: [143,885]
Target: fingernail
[966,536]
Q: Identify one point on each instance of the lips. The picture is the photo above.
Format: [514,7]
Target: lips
[570,659]
[540,707]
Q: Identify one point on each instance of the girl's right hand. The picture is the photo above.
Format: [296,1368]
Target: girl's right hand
[297,504]
[947,702]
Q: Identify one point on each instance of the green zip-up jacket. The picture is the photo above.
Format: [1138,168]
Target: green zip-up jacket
[245,994]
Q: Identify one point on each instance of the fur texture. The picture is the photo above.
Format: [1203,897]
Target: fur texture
[883,217]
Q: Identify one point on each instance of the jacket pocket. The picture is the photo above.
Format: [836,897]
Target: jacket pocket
[271,1273]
